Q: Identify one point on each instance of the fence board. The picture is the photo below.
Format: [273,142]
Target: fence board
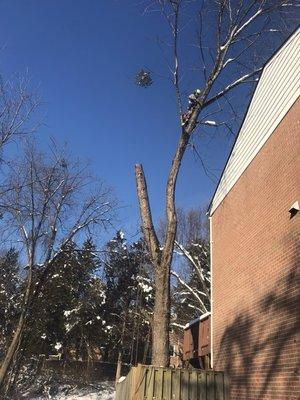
[226,387]
[167,375]
[184,384]
[219,386]
[193,385]
[210,395]
[202,386]
[150,384]
[146,382]
[142,383]
[176,385]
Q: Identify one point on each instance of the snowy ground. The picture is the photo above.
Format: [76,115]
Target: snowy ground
[101,391]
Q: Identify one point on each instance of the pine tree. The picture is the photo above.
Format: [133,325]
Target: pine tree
[129,295]
[85,323]
[48,334]
[68,317]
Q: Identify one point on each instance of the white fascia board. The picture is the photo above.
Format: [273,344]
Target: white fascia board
[276,92]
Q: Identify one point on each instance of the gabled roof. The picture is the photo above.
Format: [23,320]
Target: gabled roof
[277,90]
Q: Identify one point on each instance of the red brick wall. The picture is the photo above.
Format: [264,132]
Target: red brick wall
[255,254]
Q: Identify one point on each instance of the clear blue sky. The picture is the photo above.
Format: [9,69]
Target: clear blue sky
[83,55]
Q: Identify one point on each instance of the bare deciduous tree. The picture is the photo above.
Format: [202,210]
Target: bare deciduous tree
[230,34]
[199,288]
[50,201]
[17,105]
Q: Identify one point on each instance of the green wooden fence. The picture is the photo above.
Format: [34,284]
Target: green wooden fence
[146,382]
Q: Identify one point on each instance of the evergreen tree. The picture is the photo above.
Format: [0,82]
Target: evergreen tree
[129,295]
[48,329]
[85,323]
[68,314]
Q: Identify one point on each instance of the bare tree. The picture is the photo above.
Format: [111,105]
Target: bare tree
[17,106]
[192,225]
[198,287]
[230,35]
[49,203]
[191,270]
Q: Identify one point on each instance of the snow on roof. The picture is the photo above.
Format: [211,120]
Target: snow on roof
[194,321]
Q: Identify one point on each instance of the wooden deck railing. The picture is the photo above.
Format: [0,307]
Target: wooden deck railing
[146,382]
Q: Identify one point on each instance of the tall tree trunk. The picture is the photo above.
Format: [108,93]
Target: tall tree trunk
[17,336]
[161,256]
[161,317]
[146,348]
[120,353]
[119,367]
[11,350]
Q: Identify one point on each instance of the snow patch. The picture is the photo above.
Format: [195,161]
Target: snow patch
[58,346]
[103,391]
[211,123]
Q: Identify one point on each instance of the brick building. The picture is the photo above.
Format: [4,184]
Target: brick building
[255,241]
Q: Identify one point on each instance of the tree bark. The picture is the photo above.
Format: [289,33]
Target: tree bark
[161,316]
[119,367]
[146,216]
[17,336]
[120,353]
[161,256]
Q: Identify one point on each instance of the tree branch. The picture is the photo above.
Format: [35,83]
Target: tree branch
[231,86]
[190,290]
[146,216]
[197,267]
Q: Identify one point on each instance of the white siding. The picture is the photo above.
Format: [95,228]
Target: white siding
[277,90]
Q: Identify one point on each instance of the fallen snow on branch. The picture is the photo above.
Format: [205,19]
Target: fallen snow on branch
[211,123]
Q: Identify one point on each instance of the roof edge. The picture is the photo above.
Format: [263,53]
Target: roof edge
[208,212]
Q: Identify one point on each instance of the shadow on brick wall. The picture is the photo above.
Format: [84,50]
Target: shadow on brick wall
[256,350]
